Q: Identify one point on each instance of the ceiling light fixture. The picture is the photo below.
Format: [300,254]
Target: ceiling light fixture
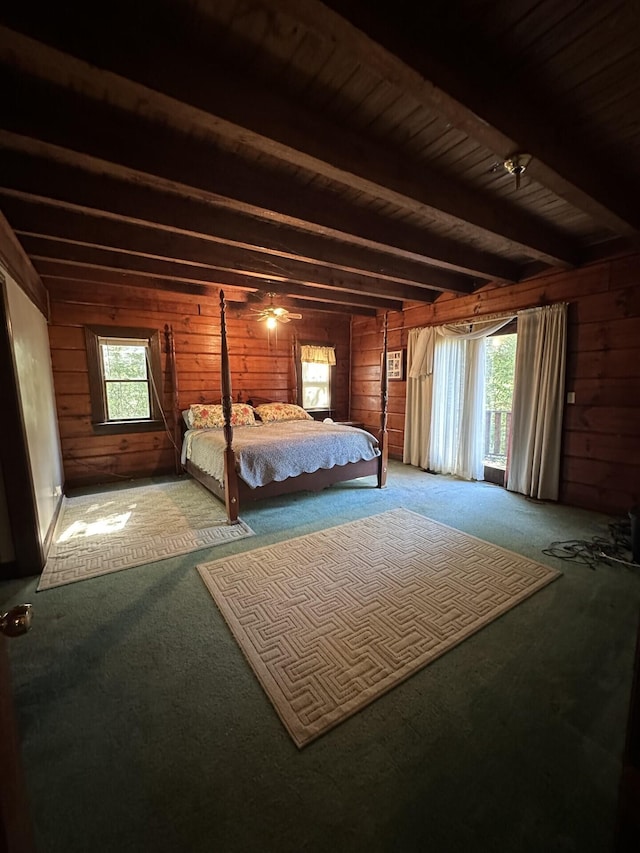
[516,164]
[274,314]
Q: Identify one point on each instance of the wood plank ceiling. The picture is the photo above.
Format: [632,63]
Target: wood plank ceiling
[347,156]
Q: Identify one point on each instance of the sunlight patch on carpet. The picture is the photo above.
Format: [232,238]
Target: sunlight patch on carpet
[121,528]
[332,620]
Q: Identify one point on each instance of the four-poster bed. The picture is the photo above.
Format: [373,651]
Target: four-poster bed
[358,453]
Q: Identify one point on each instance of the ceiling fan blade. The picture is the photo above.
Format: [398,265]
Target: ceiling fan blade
[295,316]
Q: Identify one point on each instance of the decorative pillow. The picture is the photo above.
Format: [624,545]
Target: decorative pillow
[269,412]
[203,416]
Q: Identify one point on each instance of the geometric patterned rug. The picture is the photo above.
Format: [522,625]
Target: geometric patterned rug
[332,620]
[121,528]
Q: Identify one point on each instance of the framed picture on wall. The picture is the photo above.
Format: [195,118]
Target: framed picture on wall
[395,364]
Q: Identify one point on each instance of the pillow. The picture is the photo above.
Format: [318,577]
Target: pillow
[203,416]
[269,412]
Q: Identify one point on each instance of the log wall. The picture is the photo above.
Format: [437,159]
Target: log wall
[261,365]
[601,436]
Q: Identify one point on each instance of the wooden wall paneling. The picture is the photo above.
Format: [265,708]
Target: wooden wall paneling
[73,382]
[611,447]
[65,337]
[261,365]
[595,392]
[71,405]
[593,497]
[555,287]
[616,420]
[103,469]
[146,299]
[607,304]
[603,364]
[107,444]
[607,334]
[68,360]
[71,427]
[624,273]
[601,457]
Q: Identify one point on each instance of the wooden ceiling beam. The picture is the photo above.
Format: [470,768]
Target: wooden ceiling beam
[87,277]
[201,99]
[53,269]
[43,249]
[94,232]
[320,305]
[80,279]
[413,48]
[182,218]
[186,168]
[14,260]
[341,298]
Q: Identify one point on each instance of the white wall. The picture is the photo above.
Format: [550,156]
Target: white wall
[35,385]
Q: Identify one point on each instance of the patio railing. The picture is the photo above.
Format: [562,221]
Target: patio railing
[497,429]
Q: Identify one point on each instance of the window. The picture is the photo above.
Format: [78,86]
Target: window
[124,378]
[316,386]
[316,376]
[500,358]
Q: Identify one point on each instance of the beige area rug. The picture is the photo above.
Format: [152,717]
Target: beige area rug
[331,620]
[119,529]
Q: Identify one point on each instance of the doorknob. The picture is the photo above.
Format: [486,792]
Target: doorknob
[16,621]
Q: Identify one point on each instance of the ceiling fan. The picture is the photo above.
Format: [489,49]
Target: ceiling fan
[274,314]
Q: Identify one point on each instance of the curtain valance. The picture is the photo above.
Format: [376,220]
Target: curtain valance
[318,355]
[473,331]
[421,363]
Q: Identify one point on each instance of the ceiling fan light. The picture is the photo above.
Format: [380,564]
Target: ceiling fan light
[271,322]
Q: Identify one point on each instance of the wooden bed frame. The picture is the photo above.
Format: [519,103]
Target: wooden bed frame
[235,491]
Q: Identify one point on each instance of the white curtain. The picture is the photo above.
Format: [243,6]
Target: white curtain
[444,421]
[457,416]
[538,402]
[418,397]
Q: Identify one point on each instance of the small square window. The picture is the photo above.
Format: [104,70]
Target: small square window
[124,378]
[125,374]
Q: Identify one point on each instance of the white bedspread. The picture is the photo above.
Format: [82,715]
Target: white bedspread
[275,451]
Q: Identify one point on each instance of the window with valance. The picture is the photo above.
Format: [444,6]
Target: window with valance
[316,374]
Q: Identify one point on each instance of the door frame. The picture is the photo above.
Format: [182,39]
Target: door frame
[16,464]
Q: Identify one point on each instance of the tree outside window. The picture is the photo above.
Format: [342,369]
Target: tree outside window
[499,378]
[316,386]
[124,378]
[316,363]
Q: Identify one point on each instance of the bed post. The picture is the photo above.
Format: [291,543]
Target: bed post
[177,431]
[231,497]
[384,394]
[293,396]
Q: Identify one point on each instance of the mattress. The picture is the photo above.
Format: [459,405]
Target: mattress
[269,452]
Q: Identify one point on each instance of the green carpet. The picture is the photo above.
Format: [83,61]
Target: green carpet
[145,730]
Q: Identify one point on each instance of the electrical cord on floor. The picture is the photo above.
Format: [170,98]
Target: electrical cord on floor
[598,549]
